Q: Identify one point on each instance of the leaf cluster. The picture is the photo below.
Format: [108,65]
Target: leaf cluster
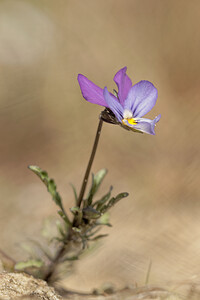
[75,232]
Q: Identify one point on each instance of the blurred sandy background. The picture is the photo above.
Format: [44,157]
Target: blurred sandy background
[44,121]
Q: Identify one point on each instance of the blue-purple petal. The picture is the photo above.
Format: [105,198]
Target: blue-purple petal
[141,98]
[113,104]
[90,91]
[123,83]
[146,125]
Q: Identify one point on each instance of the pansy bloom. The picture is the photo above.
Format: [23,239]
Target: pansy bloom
[128,106]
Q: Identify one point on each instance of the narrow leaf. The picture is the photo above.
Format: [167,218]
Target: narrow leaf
[51,187]
[27,264]
[72,258]
[113,201]
[100,236]
[75,193]
[100,203]
[60,229]
[64,217]
[96,182]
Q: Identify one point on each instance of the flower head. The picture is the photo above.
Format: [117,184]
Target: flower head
[129,105]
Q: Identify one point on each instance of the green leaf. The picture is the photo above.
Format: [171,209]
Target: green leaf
[52,190]
[113,201]
[28,264]
[89,233]
[100,236]
[60,229]
[96,182]
[78,215]
[50,184]
[91,213]
[51,187]
[100,203]
[75,193]
[75,210]
[72,258]
[104,220]
[65,218]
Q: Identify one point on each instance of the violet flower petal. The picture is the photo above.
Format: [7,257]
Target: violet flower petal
[141,98]
[146,125]
[113,104]
[90,91]
[123,83]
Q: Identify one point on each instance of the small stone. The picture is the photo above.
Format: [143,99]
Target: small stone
[24,286]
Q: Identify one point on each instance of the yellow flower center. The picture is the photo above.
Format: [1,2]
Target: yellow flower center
[131,121]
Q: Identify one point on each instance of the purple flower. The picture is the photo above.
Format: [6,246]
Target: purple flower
[129,105]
